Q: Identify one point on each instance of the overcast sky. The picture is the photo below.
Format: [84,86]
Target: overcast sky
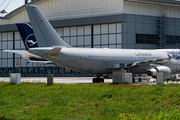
[12,6]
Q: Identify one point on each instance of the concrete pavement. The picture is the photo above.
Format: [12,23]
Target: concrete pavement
[74,80]
[63,80]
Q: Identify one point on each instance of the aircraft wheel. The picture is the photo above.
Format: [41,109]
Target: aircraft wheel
[105,75]
[139,80]
[94,80]
[101,80]
[133,80]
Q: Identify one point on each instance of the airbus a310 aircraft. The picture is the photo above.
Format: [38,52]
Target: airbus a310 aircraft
[44,44]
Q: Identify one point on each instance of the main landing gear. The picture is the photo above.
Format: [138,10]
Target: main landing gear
[98,79]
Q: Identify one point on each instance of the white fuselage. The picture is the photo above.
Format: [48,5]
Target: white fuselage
[103,61]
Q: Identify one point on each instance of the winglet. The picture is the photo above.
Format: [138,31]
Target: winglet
[170,56]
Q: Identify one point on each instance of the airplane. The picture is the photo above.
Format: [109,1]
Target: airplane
[51,47]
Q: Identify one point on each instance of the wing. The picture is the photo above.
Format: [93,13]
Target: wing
[148,64]
[144,64]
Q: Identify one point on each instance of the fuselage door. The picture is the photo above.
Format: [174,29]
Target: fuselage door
[79,57]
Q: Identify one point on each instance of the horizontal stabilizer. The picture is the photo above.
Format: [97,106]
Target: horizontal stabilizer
[46,51]
[30,57]
[44,62]
[23,53]
[18,51]
[53,53]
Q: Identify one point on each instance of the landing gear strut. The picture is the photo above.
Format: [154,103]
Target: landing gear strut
[98,79]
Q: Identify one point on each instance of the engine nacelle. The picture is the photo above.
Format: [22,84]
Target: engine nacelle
[161,69]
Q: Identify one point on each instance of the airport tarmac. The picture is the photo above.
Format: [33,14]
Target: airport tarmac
[62,80]
[74,80]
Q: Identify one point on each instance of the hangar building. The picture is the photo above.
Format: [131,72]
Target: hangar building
[119,24]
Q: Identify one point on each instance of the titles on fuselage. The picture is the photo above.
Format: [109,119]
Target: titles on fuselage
[143,54]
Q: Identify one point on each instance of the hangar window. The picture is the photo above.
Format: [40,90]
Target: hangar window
[17,36]
[104,28]
[23,70]
[97,29]
[153,39]
[55,70]
[80,40]
[87,40]
[81,30]
[66,31]
[146,39]
[47,70]
[67,71]
[60,70]
[87,30]
[4,70]
[173,40]
[112,28]
[4,36]
[10,35]
[29,70]
[35,70]
[73,31]
[18,70]
[41,70]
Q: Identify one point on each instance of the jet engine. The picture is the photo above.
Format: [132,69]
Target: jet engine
[161,69]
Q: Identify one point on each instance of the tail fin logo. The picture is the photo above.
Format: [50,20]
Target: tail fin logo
[29,41]
[32,42]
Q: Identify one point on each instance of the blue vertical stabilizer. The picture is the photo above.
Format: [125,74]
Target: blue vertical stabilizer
[27,35]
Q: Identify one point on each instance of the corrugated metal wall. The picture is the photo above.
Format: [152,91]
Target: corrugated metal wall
[150,9]
[65,9]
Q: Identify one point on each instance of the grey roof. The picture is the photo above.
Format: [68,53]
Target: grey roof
[20,9]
